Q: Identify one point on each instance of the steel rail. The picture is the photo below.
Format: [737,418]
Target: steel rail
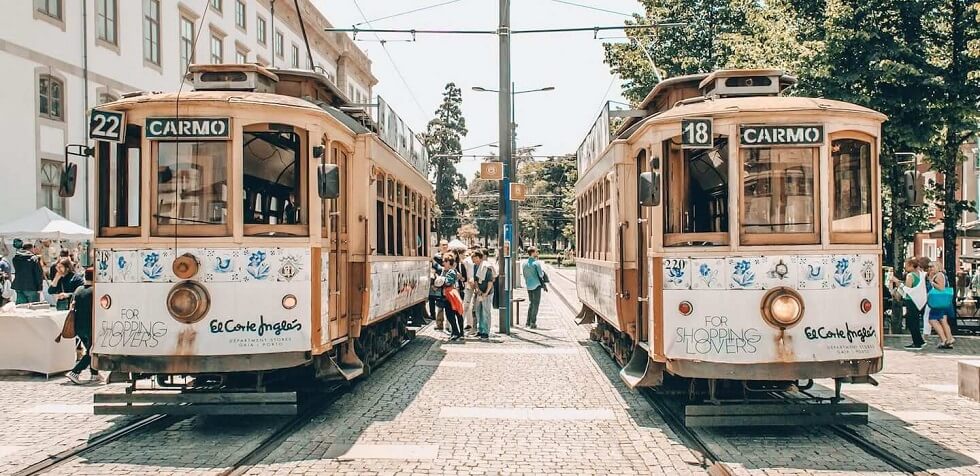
[877,451]
[710,461]
[57,459]
[294,424]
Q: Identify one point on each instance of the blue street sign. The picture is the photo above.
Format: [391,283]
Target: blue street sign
[508,231]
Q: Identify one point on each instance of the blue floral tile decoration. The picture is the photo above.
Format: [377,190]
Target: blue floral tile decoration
[258,267]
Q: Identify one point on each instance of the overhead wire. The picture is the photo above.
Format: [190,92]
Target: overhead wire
[391,59]
[416,10]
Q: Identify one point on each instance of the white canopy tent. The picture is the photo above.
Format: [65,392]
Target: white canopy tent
[44,224]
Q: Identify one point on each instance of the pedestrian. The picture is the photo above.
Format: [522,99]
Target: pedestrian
[436,299]
[534,282]
[469,292]
[28,275]
[6,291]
[940,301]
[81,302]
[483,278]
[913,294]
[64,282]
[64,253]
[453,302]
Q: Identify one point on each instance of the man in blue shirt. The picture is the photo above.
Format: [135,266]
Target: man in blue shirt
[532,281]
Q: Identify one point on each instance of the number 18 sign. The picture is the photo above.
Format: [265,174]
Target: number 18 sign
[697,134]
[107,125]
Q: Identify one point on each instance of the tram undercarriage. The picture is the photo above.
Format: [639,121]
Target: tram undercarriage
[278,391]
[730,402]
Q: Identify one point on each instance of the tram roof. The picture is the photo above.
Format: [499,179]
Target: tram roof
[721,107]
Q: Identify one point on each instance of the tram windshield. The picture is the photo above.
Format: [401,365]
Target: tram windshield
[192,183]
[778,187]
[852,197]
[697,202]
[272,180]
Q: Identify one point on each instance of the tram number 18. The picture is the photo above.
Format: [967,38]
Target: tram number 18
[697,134]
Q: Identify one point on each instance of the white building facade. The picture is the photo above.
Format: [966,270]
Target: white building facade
[60,58]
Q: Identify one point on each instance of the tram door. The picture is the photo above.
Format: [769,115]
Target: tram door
[642,266]
[339,304]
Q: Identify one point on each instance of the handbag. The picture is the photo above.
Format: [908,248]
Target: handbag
[452,296]
[68,328]
[940,299]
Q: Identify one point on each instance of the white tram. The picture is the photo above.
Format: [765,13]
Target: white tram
[259,228]
[731,234]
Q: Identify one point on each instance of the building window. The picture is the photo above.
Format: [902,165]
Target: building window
[105,21]
[240,14]
[151,31]
[50,182]
[260,30]
[105,98]
[186,44]
[216,5]
[295,57]
[278,44]
[50,97]
[217,55]
[51,8]
[241,57]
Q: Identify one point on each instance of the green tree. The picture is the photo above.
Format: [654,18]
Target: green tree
[695,47]
[481,200]
[547,217]
[442,139]
[953,39]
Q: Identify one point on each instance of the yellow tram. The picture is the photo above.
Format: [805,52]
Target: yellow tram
[257,227]
[730,234]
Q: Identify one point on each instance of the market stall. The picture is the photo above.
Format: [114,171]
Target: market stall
[27,341]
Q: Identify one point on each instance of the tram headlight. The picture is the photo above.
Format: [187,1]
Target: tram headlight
[782,307]
[865,306]
[188,302]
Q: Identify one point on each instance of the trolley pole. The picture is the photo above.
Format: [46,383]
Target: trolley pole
[507,242]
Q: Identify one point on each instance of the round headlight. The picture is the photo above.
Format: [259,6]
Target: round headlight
[782,307]
[188,302]
[105,301]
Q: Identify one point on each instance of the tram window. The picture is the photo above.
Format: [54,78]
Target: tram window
[852,197]
[697,193]
[379,221]
[192,184]
[119,185]
[779,190]
[272,181]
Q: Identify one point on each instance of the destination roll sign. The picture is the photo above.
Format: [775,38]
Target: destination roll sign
[784,134]
[188,128]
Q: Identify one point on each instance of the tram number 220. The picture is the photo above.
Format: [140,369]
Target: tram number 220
[697,134]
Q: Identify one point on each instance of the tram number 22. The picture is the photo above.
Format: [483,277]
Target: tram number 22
[106,125]
[697,134]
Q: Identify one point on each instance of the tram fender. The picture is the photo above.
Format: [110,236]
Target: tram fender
[641,370]
[585,316]
[345,364]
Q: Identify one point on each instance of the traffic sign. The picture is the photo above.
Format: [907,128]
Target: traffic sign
[492,171]
[518,192]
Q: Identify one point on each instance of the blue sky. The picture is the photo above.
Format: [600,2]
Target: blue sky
[571,62]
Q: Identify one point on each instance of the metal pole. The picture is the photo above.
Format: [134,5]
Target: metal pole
[514,264]
[507,158]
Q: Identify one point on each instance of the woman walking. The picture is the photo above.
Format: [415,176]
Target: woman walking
[453,302]
[913,294]
[940,306]
[81,302]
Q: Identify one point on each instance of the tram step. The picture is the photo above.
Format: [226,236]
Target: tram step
[196,403]
[776,414]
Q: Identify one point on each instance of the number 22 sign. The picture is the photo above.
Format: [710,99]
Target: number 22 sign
[697,134]
[107,125]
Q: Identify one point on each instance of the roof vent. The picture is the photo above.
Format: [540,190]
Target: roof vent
[753,82]
[232,77]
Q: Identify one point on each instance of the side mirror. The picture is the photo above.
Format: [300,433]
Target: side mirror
[649,189]
[914,186]
[328,181]
[69,177]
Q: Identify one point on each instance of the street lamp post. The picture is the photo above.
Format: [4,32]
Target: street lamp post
[507,209]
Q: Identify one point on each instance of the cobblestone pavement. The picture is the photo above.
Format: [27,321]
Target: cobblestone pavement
[916,413]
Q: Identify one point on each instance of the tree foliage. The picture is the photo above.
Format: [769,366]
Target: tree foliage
[442,139]
[548,216]
[482,203]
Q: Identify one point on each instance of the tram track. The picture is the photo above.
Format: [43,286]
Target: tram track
[673,416]
[259,452]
